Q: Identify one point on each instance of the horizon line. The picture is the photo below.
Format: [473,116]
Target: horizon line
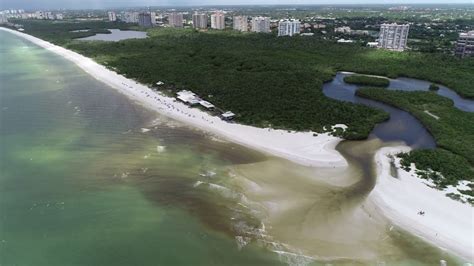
[250,5]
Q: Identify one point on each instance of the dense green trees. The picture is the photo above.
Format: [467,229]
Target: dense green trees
[367,80]
[431,162]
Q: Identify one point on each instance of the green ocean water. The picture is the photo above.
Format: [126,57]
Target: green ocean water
[82,184]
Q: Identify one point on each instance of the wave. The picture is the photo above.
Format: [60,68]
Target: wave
[294,259]
[243,216]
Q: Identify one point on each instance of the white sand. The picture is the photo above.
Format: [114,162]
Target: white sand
[446,223]
[299,147]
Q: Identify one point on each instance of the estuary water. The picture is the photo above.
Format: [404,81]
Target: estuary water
[116,35]
[89,177]
[401,126]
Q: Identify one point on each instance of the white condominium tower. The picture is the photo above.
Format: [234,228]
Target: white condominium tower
[3,18]
[241,23]
[288,27]
[465,44]
[153,18]
[175,20]
[131,17]
[218,21]
[199,21]
[261,24]
[393,36]
[112,16]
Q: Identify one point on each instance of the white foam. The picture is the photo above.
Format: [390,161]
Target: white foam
[198,183]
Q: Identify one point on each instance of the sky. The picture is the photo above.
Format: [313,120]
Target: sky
[99,4]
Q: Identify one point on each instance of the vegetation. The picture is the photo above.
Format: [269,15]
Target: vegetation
[367,80]
[452,129]
[433,87]
[299,52]
[266,81]
[430,163]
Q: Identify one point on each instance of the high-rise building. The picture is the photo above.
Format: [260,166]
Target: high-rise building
[131,17]
[241,23]
[218,21]
[261,24]
[112,16]
[393,36]
[175,20]
[39,15]
[200,20]
[289,27]
[49,15]
[153,18]
[144,20]
[465,44]
[3,18]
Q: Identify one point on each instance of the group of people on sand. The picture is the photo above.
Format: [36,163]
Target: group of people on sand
[170,106]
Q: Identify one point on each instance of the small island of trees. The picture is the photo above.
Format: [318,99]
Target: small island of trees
[367,80]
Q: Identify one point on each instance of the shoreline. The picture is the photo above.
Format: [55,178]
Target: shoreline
[446,223]
[300,147]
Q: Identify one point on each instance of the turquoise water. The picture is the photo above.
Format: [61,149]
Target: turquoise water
[81,184]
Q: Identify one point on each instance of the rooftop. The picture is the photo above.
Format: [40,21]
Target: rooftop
[467,34]
[228,114]
[206,104]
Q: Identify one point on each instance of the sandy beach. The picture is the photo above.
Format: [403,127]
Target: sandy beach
[299,147]
[446,223]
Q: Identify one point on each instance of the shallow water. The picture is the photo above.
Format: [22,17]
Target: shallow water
[90,178]
[116,35]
